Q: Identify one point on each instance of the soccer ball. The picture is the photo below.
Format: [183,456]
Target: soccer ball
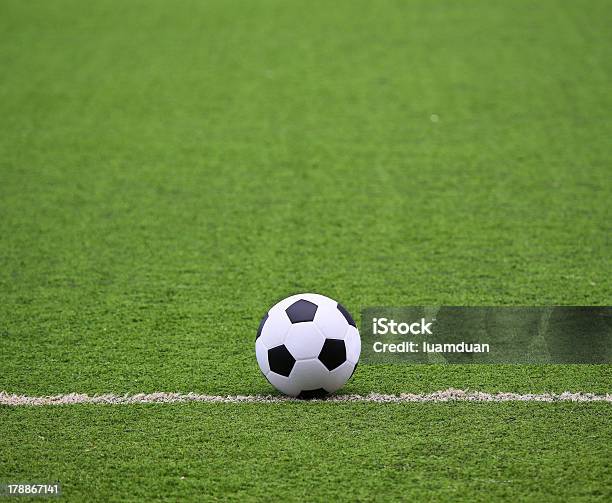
[307,345]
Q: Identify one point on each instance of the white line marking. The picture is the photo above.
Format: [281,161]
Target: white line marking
[449,395]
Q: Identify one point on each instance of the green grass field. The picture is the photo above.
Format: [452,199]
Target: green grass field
[169,170]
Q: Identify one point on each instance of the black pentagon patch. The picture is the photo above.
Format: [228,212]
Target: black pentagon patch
[261,325]
[346,315]
[301,311]
[280,360]
[333,353]
[309,394]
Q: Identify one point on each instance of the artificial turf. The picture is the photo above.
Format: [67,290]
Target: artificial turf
[170,170]
[314,451]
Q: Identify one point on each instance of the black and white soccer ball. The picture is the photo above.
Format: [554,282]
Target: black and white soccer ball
[307,345]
